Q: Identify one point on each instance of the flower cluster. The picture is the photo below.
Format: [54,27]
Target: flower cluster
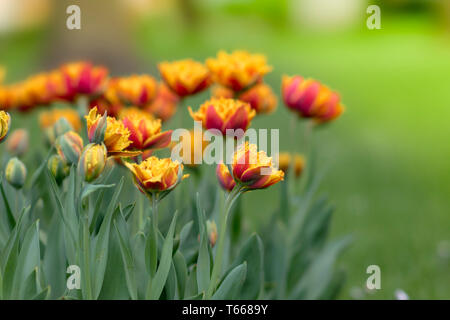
[239,75]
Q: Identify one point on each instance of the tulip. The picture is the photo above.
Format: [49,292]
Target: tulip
[239,70]
[185,77]
[83,78]
[310,99]
[135,90]
[5,124]
[69,147]
[225,179]
[145,131]
[165,103]
[92,161]
[17,143]
[116,136]
[58,168]
[223,114]
[16,173]
[253,169]
[155,175]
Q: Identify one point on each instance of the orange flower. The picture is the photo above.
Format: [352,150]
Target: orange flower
[185,77]
[83,78]
[116,136]
[254,169]
[310,98]
[137,90]
[145,131]
[165,103]
[238,70]
[225,179]
[156,175]
[223,114]
[48,118]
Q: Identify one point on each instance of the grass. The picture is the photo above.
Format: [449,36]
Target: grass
[387,156]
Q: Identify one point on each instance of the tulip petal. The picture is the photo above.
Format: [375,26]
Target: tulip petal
[213,120]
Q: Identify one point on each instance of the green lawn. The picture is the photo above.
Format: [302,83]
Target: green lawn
[387,156]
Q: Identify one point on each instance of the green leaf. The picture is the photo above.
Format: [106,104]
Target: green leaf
[43,295]
[181,270]
[55,257]
[231,284]
[170,288]
[252,252]
[28,259]
[157,283]
[319,275]
[128,263]
[91,188]
[199,296]
[204,260]
[102,241]
[10,217]
[30,285]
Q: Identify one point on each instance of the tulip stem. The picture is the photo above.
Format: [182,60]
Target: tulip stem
[217,268]
[154,236]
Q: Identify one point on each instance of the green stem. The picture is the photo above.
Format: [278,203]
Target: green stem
[86,265]
[217,268]
[154,237]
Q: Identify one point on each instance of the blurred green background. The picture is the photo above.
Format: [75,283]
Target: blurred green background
[387,156]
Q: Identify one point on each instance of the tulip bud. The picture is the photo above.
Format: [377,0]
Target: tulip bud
[96,132]
[16,173]
[61,126]
[58,168]
[5,123]
[92,161]
[17,143]
[69,147]
[211,229]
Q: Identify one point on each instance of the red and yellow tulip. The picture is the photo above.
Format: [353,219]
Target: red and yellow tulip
[83,78]
[155,175]
[145,131]
[311,99]
[254,168]
[137,90]
[223,114]
[239,70]
[185,77]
